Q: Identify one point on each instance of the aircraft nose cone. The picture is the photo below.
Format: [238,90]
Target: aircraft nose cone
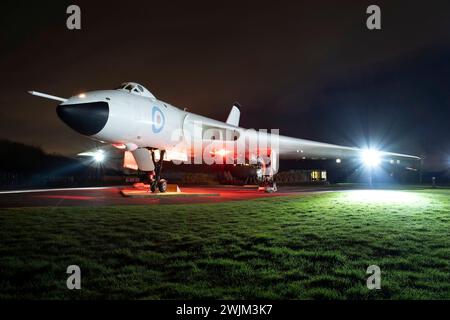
[86,118]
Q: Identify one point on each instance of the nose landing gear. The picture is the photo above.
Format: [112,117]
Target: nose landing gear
[156,183]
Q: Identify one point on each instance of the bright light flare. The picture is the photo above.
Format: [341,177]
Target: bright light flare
[99,156]
[371,158]
[221,152]
[385,197]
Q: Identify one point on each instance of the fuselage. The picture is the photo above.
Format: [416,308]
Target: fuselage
[129,119]
[139,121]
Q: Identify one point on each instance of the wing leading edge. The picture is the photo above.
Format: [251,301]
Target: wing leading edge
[293,148]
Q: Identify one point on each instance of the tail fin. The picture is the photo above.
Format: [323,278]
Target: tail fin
[235,114]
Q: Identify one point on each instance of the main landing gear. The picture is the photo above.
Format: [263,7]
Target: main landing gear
[156,183]
[268,185]
[264,175]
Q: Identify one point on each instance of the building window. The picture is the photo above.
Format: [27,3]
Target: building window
[317,175]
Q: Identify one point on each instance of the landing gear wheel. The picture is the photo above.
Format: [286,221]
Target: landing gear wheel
[162,186]
[268,186]
[264,175]
[271,187]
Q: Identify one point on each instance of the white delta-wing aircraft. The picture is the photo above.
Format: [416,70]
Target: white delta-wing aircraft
[149,130]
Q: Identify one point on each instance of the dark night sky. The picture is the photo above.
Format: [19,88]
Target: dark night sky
[310,68]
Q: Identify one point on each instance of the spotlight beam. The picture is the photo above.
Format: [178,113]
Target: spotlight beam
[371,158]
[99,156]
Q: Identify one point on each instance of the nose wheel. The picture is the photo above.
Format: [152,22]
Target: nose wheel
[156,183]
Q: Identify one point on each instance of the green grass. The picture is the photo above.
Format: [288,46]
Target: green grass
[300,247]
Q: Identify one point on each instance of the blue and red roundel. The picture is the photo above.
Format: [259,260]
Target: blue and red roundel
[157,120]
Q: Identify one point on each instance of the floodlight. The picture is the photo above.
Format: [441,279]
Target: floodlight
[371,157]
[99,156]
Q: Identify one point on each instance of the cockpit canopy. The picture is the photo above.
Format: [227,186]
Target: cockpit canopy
[136,88]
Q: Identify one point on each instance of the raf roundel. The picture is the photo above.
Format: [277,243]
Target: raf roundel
[157,120]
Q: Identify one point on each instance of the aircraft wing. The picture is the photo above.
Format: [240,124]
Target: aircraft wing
[293,148]
[288,147]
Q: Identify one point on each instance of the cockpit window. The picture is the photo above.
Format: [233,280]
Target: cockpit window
[136,88]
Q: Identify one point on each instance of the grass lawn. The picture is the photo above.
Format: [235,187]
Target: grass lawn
[315,246]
